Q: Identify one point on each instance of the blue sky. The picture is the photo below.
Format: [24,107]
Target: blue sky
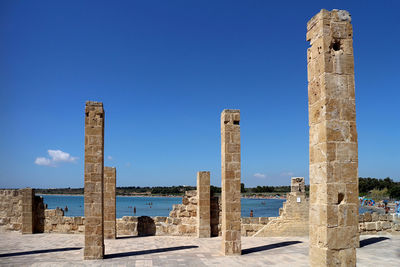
[165,70]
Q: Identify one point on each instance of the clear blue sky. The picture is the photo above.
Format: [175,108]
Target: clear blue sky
[165,70]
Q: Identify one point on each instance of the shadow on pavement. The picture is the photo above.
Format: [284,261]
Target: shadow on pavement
[372,240]
[129,236]
[270,246]
[22,253]
[144,252]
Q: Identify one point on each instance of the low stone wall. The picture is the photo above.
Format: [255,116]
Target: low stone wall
[374,223]
[182,219]
[11,209]
[56,222]
[251,225]
[293,219]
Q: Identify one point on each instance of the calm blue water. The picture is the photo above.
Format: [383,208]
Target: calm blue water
[161,205]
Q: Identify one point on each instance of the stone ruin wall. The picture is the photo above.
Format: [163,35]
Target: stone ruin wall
[181,221]
[374,223]
[293,216]
[11,210]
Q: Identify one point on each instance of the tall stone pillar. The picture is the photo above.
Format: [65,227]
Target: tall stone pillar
[333,140]
[230,197]
[28,195]
[94,170]
[110,175]
[203,204]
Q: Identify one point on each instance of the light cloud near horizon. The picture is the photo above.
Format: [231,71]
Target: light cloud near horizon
[56,156]
[109,158]
[260,175]
[287,173]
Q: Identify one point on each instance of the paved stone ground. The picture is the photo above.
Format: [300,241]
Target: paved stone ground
[67,250]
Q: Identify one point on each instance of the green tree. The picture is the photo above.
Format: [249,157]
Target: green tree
[242,188]
[394,192]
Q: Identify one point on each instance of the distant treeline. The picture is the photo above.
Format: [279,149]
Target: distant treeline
[366,186]
[387,187]
[168,190]
[124,191]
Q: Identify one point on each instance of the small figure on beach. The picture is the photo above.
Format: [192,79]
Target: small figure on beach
[251,213]
[66,208]
[134,210]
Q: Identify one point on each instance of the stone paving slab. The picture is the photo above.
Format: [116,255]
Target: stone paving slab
[67,250]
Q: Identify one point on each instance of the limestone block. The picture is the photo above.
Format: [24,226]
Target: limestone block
[185,200]
[109,210]
[231,174]
[386,225]
[378,226]
[160,219]
[370,226]
[367,217]
[245,220]
[375,217]
[333,142]
[94,180]
[383,217]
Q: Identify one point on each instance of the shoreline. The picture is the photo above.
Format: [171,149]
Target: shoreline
[169,196]
[80,195]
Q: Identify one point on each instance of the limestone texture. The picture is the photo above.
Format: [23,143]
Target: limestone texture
[203,204]
[94,180]
[230,191]
[333,140]
[293,216]
[110,230]
[28,195]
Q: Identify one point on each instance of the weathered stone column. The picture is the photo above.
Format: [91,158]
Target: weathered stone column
[297,185]
[94,170]
[203,204]
[230,197]
[28,195]
[333,140]
[110,175]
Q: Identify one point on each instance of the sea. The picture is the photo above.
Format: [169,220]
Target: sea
[160,206]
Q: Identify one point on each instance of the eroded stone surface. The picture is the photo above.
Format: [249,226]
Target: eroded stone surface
[110,230]
[230,191]
[28,195]
[333,140]
[94,179]
[203,204]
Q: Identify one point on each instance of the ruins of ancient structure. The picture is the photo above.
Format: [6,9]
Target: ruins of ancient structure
[203,204]
[230,185]
[28,195]
[110,216]
[333,140]
[94,181]
[293,216]
[330,216]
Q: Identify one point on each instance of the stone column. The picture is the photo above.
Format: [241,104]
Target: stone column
[110,175]
[230,197]
[94,170]
[203,204]
[28,195]
[297,185]
[333,140]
